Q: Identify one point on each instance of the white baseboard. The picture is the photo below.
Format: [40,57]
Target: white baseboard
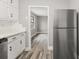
[39,33]
[50,48]
[42,33]
[27,49]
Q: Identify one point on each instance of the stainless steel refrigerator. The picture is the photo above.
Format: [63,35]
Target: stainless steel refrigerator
[78,35]
[65,34]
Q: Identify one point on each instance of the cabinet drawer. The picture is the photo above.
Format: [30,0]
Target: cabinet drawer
[18,36]
[21,36]
[11,39]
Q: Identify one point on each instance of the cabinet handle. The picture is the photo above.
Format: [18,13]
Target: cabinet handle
[10,48]
[11,15]
[20,41]
[14,38]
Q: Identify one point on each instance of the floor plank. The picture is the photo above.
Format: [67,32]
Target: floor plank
[39,49]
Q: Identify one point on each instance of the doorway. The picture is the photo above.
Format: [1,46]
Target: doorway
[38,25]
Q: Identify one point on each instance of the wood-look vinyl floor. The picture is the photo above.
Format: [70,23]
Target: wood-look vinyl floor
[39,50]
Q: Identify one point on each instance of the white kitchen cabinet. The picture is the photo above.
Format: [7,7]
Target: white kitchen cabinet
[11,2]
[21,38]
[13,13]
[22,43]
[11,51]
[9,10]
[13,9]
[16,46]
[4,11]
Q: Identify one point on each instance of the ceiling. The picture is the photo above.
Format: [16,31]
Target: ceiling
[40,11]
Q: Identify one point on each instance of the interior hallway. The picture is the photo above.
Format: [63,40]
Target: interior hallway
[39,49]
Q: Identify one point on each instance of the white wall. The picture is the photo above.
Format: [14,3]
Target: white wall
[53,4]
[74,4]
[23,12]
[42,24]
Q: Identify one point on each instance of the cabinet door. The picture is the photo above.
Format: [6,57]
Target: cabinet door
[4,11]
[9,9]
[22,44]
[13,3]
[17,47]
[13,12]
[11,51]
[22,41]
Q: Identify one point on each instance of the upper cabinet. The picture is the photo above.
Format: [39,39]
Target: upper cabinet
[9,10]
[13,12]
[11,2]
[4,11]
[14,3]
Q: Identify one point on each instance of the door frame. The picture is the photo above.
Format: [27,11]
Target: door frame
[29,32]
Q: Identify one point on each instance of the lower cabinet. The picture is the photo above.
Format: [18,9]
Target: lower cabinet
[16,46]
[11,51]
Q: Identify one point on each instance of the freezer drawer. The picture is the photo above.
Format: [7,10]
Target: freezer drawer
[65,18]
[65,44]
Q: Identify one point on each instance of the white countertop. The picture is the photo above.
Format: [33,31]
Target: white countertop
[11,30]
[2,35]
